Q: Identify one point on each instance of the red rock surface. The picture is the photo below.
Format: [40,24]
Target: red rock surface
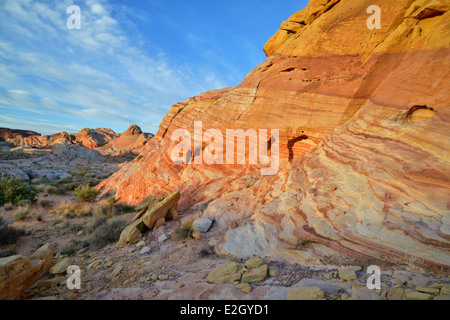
[95,138]
[10,134]
[132,140]
[364,134]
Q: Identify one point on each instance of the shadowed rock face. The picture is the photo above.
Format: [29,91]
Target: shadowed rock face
[9,134]
[364,133]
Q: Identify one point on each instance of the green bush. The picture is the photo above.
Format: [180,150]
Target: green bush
[86,193]
[111,200]
[13,190]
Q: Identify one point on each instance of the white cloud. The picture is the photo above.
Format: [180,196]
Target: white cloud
[97,72]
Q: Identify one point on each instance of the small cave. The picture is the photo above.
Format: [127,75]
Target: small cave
[291,143]
[418,113]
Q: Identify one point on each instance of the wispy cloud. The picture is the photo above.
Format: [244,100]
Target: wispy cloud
[99,74]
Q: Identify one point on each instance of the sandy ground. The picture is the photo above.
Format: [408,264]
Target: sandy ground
[177,269]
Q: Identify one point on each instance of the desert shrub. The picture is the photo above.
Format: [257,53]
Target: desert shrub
[80,172]
[13,190]
[42,181]
[41,187]
[95,223]
[106,234]
[111,200]
[46,203]
[86,193]
[55,190]
[93,182]
[75,209]
[72,248]
[21,213]
[64,180]
[124,209]
[9,206]
[9,235]
[139,157]
[49,189]
[103,176]
[39,218]
[70,186]
[184,231]
[22,203]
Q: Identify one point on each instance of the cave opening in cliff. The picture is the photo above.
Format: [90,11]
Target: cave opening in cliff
[291,144]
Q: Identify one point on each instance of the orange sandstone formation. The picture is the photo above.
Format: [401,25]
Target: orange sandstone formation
[364,140]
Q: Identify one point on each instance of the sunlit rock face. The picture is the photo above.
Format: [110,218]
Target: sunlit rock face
[363,122]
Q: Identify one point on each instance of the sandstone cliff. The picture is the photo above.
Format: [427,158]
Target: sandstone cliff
[364,138]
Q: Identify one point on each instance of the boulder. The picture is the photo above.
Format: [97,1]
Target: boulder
[45,254]
[17,273]
[203,224]
[153,212]
[254,263]
[347,274]
[305,293]
[61,266]
[228,272]
[256,274]
[419,296]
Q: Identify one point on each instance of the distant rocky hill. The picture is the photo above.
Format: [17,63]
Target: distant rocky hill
[10,134]
[363,119]
[132,140]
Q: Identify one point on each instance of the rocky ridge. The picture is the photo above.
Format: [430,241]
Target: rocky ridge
[364,125]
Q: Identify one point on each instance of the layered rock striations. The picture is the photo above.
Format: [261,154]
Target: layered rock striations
[363,123]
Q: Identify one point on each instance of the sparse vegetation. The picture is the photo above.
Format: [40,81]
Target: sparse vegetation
[184,231]
[72,248]
[80,172]
[96,222]
[86,193]
[46,203]
[124,209]
[75,209]
[70,186]
[111,200]
[106,234]
[13,190]
[21,213]
[55,190]
[9,235]
[139,157]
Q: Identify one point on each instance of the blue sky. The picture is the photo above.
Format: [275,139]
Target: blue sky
[130,61]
